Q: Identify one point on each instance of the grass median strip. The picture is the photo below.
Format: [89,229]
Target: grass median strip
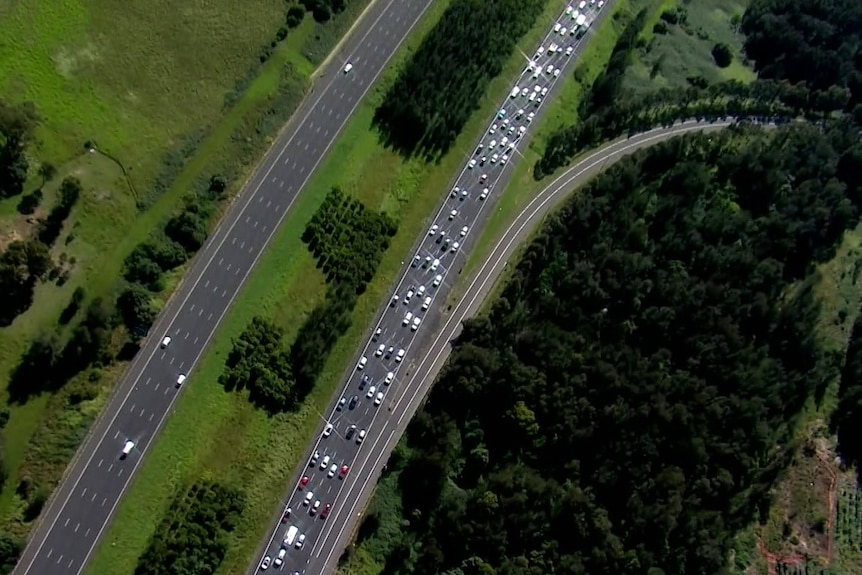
[220,436]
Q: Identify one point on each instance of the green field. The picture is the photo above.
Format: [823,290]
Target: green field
[167,97]
[202,438]
[669,59]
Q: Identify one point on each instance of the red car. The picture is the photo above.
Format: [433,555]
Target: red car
[343,473]
[303,482]
[286,515]
[326,509]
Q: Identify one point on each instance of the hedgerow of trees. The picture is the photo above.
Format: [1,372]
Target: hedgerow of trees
[628,403]
[816,43]
[765,99]
[433,96]
[193,536]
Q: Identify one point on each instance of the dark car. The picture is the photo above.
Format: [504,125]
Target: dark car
[353,401]
[303,482]
[364,382]
[350,431]
[326,510]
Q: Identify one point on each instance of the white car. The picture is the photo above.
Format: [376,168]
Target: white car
[601,3]
[426,304]
[279,560]
[492,129]
[582,5]
[324,462]
[407,317]
[483,178]
[264,565]
[504,158]
[348,67]
[379,399]
[524,91]
[464,231]
[454,247]
[300,541]
[332,470]
[557,73]
[563,31]
[166,341]
[127,447]
[569,50]
[361,436]
[400,355]
[545,91]
[420,291]
[181,378]
[437,280]
[362,361]
[464,194]
[452,214]
[433,230]
[408,296]
[493,144]
[471,164]
[434,265]
[371,391]
[314,457]
[484,194]
[549,69]
[327,431]
[416,260]
[416,322]
[380,349]
[557,27]
[530,116]
[389,377]
[494,158]
[308,497]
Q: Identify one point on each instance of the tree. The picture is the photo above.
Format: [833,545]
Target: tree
[135,306]
[294,17]
[47,171]
[722,55]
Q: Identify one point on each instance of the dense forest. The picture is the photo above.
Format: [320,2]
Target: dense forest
[191,539]
[442,85]
[847,418]
[627,404]
[818,43]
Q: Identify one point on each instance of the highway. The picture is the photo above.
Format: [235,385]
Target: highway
[95,481]
[341,525]
[364,416]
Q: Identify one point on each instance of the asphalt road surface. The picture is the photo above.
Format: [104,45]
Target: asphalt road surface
[363,417]
[334,533]
[95,481]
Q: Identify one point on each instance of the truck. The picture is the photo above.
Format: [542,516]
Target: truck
[290,535]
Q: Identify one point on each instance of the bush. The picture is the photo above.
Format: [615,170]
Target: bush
[722,55]
[73,306]
[29,202]
[10,550]
[52,225]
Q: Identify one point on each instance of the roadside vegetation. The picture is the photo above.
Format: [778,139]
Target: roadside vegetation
[801,512]
[106,193]
[427,106]
[348,241]
[192,537]
[222,436]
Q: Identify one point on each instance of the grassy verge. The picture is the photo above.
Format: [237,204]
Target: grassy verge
[220,436]
[43,434]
